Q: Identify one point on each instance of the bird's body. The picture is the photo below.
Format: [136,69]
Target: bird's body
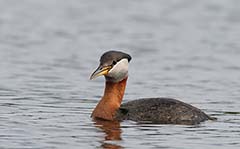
[160,111]
[114,66]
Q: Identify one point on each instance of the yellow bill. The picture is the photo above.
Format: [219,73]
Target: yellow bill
[100,71]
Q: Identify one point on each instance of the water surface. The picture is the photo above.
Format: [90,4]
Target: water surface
[182,49]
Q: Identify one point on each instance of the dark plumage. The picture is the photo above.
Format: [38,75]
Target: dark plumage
[113,56]
[161,111]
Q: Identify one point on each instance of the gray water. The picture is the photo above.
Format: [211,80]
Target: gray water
[184,49]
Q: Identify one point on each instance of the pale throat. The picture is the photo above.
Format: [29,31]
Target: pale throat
[118,72]
[111,100]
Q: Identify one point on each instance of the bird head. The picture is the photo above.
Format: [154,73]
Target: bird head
[113,65]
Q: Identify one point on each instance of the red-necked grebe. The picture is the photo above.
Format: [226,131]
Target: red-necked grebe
[114,66]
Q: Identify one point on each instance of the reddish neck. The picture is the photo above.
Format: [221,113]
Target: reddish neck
[111,100]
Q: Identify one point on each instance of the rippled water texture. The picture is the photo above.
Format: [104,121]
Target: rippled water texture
[183,49]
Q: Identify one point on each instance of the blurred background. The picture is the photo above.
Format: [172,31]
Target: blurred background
[182,49]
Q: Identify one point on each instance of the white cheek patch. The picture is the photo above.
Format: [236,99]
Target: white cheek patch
[119,70]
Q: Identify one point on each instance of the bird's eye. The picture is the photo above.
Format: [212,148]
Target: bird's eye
[114,63]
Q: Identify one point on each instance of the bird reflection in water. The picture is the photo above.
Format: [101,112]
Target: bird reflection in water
[112,132]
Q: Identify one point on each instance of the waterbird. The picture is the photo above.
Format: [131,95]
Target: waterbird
[114,66]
